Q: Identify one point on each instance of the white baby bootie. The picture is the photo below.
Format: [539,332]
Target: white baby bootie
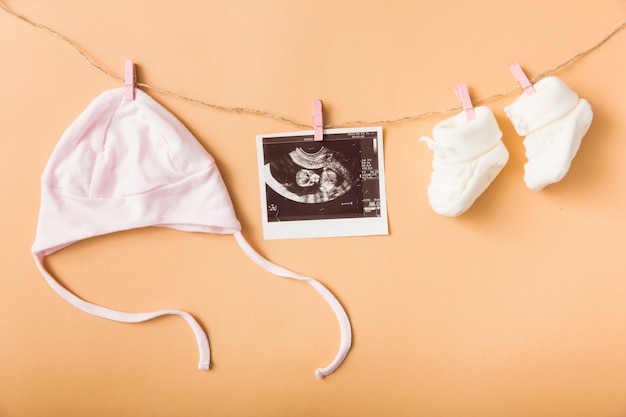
[553,120]
[469,154]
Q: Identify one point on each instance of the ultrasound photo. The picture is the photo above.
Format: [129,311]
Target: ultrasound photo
[333,187]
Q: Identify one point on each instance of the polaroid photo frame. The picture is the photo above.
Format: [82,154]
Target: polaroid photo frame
[329,188]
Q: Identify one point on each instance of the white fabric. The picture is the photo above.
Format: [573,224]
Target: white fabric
[128,164]
[340,313]
[468,155]
[120,316]
[554,121]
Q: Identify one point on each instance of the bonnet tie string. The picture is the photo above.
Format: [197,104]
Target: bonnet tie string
[340,313]
[124,317]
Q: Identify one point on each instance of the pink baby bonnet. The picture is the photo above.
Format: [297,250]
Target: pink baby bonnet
[129,164]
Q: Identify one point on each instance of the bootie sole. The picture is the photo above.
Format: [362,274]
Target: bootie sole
[486,168]
[550,150]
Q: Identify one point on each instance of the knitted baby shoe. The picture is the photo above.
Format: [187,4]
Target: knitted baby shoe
[469,154]
[554,120]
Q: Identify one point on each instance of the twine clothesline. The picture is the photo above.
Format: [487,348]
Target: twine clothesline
[292,122]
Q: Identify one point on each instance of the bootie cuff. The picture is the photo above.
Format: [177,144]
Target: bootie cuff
[552,100]
[460,140]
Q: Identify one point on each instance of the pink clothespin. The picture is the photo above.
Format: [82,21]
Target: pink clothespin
[130,79]
[318,121]
[522,79]
[463,95]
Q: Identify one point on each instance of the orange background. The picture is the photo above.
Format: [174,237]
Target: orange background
[516,308]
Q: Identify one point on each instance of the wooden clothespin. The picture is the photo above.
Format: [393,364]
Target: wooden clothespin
[522,79]
[130,80]
[463,95]
[318,121]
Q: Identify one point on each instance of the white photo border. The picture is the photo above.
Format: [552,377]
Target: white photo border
[323,226]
